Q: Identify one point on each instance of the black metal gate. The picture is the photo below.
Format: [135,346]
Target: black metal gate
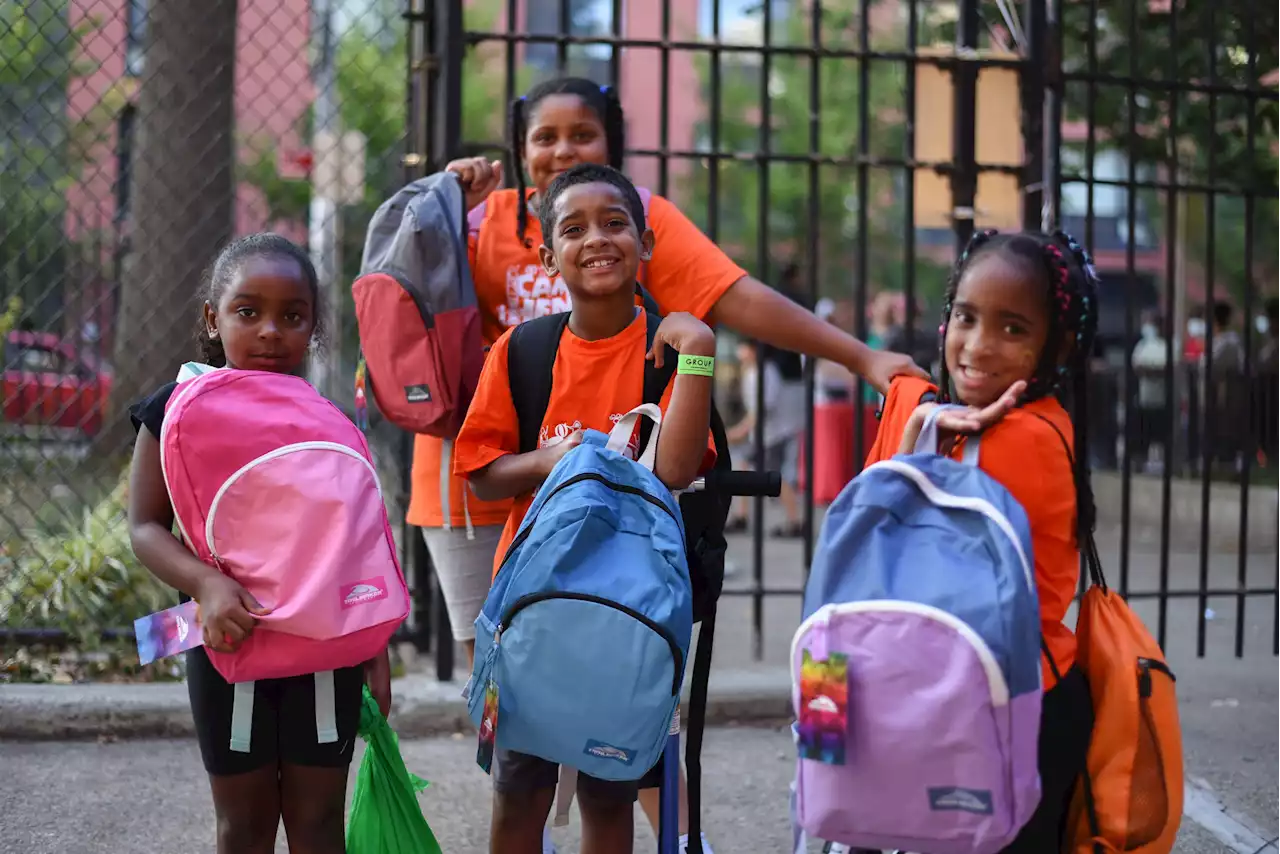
[813,132]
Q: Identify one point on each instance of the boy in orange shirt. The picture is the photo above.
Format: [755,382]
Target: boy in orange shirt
[595,239]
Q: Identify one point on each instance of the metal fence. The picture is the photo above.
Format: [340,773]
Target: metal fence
[842,149]
[136,138]
[847,148]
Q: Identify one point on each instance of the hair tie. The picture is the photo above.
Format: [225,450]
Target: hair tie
[604,90]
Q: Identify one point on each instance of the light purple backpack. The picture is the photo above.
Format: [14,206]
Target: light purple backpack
[916,669]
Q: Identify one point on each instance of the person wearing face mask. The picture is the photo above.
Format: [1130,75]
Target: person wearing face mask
[1150,356]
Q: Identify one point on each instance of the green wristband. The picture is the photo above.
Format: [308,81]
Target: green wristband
[698,366]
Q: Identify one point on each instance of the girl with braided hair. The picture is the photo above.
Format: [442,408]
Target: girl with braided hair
[1018,324]
[559,124]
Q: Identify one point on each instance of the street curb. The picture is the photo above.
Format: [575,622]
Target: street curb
[421,707]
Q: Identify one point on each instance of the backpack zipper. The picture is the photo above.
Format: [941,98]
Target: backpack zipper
[998,687]
[576,479]
[278,452]
[525,601]
[1145,666]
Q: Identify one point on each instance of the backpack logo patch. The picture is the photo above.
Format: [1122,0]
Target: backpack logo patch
[363,592]
[955,798]
[607,751]
[417,393]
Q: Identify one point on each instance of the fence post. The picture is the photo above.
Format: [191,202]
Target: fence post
[444,92]
[1035,177]
[442,117]
[964,75]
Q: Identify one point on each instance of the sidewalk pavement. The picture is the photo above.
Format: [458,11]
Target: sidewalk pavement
[1227,705]
[750,677]
[422,707]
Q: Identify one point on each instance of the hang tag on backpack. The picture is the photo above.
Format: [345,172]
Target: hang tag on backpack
[823,728]
[168,632]
[488,727]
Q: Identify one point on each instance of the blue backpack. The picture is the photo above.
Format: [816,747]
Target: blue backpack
[916,668]
[531,356]
[586,630]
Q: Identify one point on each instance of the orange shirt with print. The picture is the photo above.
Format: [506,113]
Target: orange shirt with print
[593,384]
[688,273]
[1025,455]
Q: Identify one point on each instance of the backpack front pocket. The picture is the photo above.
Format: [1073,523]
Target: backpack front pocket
[929,758]
[303,528]
[586,682]
[1149,793]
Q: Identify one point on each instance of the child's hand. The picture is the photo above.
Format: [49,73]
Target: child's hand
[883,365]
[685,334]
[555,453]
[954,422]
[228,612]
[479,177]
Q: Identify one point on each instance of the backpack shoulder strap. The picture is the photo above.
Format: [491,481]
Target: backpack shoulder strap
[1085,512]
[531,359]
[645,197]
[656,379]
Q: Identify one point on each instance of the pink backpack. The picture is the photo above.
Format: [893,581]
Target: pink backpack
[274,485]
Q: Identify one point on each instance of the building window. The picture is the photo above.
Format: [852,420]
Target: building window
[741,21]
[125,139]
[1110,202]
[135,36]
[586,18]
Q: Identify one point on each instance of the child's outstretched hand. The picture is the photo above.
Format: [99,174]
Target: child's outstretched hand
[228,612]
[685,334]
[954,422]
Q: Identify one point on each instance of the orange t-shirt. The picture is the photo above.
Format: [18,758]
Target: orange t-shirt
[1024,455]
[688,273]
[593,384]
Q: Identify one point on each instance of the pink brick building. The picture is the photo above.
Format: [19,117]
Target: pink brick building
[273,91]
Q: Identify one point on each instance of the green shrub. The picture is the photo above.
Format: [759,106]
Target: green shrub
[82,579]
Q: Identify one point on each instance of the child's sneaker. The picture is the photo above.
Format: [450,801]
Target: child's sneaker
[684,844]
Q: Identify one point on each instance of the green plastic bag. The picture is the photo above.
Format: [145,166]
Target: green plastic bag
[385,815]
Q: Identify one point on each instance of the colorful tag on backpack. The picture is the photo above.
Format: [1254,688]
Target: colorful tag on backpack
[488,727]
[822,731]
[168,632]
[362,403]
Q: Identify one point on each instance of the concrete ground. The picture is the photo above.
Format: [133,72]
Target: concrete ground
[83,797]
[149,796]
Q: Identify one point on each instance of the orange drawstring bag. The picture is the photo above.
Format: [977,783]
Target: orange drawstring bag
[1130,797]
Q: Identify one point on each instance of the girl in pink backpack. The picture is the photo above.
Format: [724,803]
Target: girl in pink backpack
[260,313]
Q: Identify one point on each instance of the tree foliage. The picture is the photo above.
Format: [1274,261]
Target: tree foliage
[1229,44]
[41,152]
[791,210]
[370,82]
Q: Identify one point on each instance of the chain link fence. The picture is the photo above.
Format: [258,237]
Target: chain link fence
[139,136]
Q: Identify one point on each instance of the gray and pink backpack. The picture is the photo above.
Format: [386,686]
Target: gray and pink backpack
[416,308]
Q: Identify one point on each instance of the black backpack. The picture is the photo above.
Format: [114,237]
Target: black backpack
[531,355]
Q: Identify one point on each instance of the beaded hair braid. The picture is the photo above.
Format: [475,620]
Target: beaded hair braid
[1070,283]
[602,100]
